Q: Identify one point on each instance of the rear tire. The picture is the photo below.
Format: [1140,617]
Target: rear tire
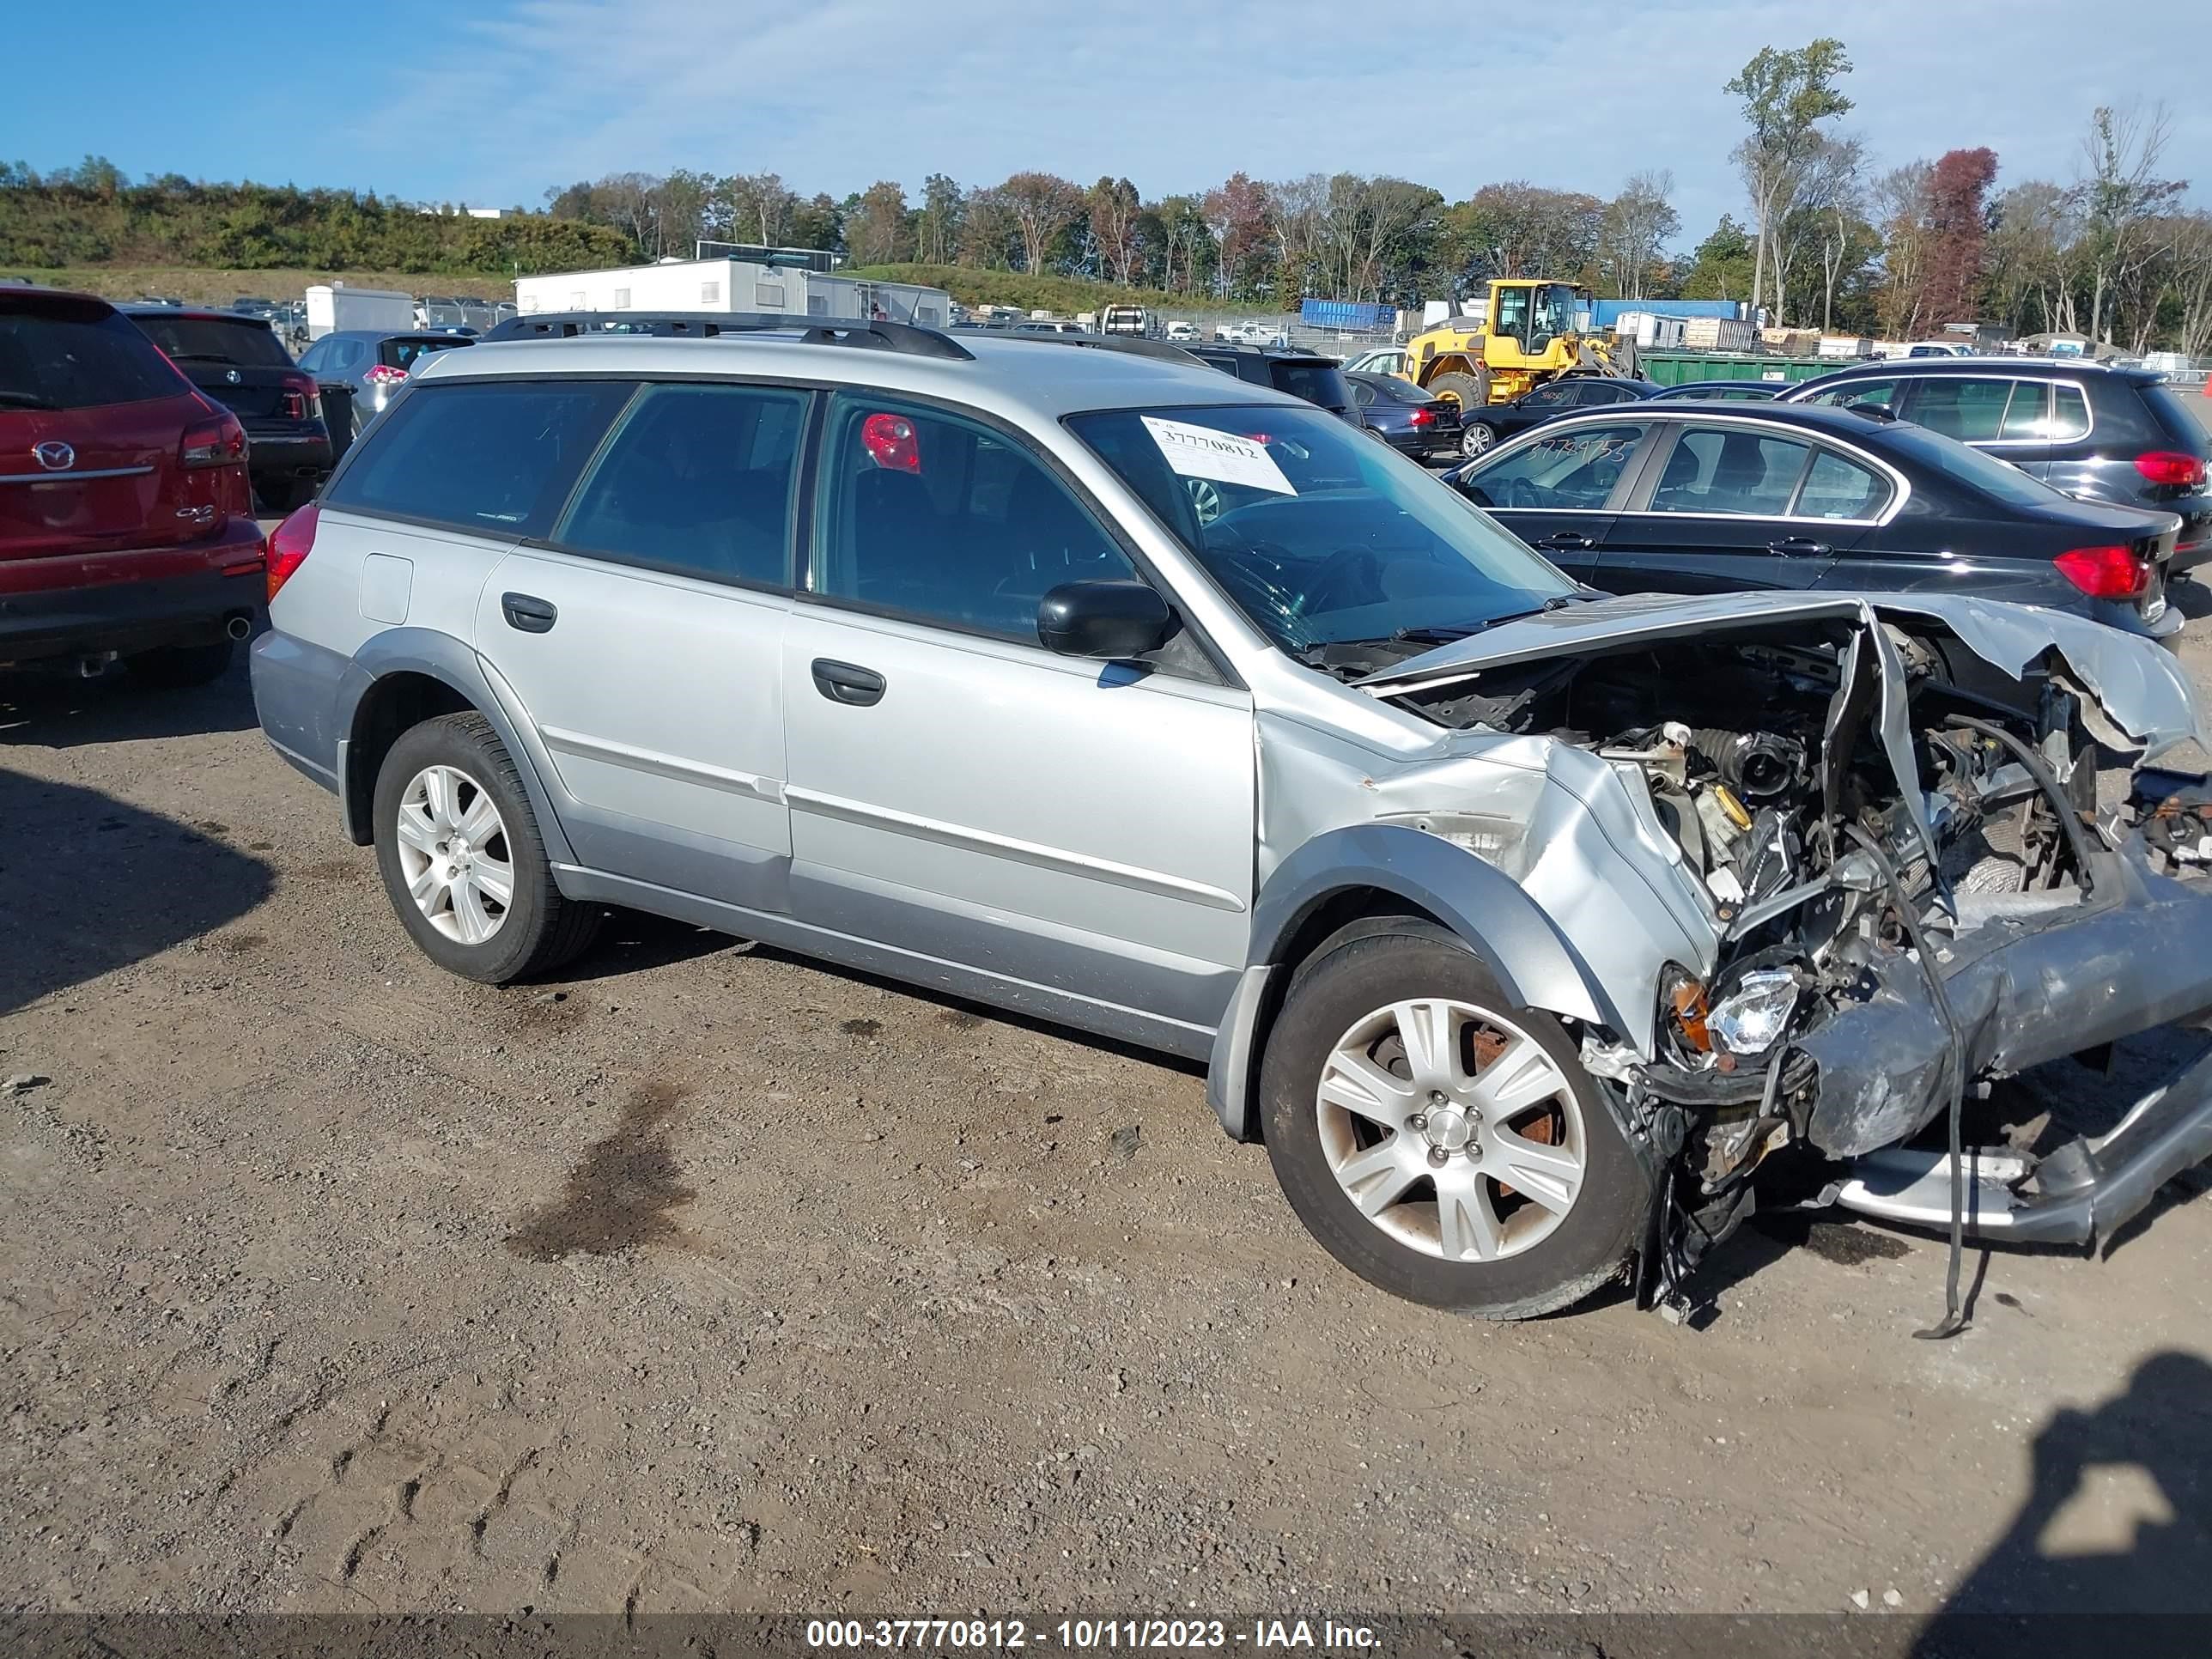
[437,772]
[179,667]
[1503,1252]
[1476,438]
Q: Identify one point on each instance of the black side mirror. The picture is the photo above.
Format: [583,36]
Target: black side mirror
[1116,621]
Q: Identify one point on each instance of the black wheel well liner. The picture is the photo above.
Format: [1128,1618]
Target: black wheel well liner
[394,703]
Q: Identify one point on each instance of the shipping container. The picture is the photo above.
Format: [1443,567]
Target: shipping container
[1679,368]
[1718,334]
[1605,313]
[334,306]
[1648,332]
[1360,316]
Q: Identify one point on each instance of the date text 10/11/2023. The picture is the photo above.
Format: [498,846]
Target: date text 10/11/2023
[1084,1635]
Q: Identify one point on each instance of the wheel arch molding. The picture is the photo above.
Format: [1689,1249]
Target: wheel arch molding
[406,675]
[1362,871]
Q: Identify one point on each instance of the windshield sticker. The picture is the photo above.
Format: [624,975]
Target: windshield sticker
[1199,452]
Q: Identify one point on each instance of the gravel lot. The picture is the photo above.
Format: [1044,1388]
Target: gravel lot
[703,1278]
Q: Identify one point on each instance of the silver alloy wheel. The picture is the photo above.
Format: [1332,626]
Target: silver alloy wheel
[1205,500]
[1452,1129]
[454,852]
[1476,438]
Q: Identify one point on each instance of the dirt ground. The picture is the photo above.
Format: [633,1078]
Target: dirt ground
[700,1277]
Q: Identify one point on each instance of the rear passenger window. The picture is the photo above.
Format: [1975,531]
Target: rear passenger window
[2026,418]
[696,480]
[1971,410]
[2070,414]
[495,456]
[1714,470]
[1837,488]
[949,522]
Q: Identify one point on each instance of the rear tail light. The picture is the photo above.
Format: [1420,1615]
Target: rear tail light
[384,375]
[891,439]
[303,400]
[1422,417]
[219,441]
[2171,466]
[289,544]
[2105,573]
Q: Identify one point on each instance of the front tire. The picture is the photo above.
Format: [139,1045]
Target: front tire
[462,860]
[1441,1141]
[1476,438]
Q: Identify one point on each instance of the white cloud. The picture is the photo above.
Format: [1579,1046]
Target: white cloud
[1176,96]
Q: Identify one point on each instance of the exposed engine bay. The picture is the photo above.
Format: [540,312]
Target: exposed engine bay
[1910,888]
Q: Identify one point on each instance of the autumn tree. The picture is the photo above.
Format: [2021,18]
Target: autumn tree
[1041,205]
[758,209]
[937,226]
[1957,226]
[1720,266]
[1786,96]
[878,230]
[1114,209]
[1236,215]
[2120,198]
[1520,229]
[1635,229]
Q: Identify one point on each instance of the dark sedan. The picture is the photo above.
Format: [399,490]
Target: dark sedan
[1406,417]
[1691,498]
[1724,391]
[1494,423]
[239,361]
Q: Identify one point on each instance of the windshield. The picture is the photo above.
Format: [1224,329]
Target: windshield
[1317,383]
[1318,533]
[1971,466]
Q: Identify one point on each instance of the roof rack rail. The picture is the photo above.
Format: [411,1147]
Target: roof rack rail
[714,325]
[1136,345]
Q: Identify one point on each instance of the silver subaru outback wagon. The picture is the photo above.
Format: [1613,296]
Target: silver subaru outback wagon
[1532,932]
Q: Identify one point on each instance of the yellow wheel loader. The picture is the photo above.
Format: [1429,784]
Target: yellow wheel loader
[1525,335]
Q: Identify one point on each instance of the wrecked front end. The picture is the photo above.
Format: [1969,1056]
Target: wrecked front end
[1887,894]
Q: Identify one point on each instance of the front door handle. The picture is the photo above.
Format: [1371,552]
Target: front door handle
[1565,541]
[1800,547]
[527,612]
[848,682]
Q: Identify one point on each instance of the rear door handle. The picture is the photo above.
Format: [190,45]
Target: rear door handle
[530,614]
[1800,547]
[1565,541]
[848,682]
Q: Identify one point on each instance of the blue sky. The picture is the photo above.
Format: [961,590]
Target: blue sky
[493,101]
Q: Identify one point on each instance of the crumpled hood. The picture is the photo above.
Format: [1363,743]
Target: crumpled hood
[2138,684]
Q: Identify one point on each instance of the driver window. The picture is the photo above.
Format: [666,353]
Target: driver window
[1558,472]
[1554,396]
[948,521]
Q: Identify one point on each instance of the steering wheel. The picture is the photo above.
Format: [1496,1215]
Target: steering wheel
[1205,500]
[1519,492]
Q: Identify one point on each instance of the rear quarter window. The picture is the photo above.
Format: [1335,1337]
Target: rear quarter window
[2186,431]
[496,457]
[1317,383]
[62,359]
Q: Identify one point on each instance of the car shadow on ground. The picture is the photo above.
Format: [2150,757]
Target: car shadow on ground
[49,709]
[89,884]
[2112,1552]
[2191,597]
[634,941]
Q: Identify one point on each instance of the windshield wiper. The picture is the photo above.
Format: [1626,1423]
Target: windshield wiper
[1429,635]
[27,400]
[200,357]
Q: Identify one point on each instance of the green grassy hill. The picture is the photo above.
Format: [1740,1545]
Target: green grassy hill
[201,287]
